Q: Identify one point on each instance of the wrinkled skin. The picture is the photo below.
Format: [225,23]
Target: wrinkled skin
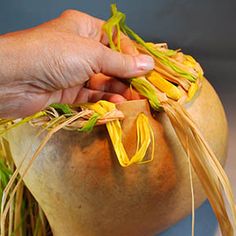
[52,63]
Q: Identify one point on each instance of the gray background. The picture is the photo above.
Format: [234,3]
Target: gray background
[205,29]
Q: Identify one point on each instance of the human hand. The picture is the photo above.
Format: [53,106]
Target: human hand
[52,62]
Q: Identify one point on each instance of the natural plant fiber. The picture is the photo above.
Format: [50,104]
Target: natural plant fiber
[25,215]
[205,164]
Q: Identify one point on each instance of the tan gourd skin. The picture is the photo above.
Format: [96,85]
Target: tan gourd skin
[85,192]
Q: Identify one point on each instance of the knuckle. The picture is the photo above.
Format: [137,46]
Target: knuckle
[69,13]
[74,15]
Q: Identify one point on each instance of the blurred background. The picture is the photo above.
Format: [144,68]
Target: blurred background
[203,28]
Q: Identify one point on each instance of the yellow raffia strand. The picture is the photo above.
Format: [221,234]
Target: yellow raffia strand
[145,135]
[101,107]
[165,86]
[190,60]
[192,91]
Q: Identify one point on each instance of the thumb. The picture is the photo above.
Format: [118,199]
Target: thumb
[122,65]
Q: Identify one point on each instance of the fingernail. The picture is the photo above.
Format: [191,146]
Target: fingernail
[145,62]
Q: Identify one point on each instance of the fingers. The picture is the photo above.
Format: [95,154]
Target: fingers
[82,24]
[87,26]
[107,84]
[80,94]
[122,65]
[91,27]
[89,95]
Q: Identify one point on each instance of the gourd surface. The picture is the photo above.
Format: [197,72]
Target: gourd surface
[84,191]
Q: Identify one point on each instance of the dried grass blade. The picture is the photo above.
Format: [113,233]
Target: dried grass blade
[40,227]
[11,219]
[6,205]
[23,121]
[213,192]
[206,166]
[191,186]
[43,227]
[31,211]
[17,211]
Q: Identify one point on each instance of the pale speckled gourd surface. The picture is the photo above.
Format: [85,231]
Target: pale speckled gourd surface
[85,192]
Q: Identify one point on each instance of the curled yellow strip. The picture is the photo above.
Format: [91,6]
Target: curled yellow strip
[145,135]
[192,91]
[101,107]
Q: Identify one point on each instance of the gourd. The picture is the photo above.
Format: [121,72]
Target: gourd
[134,179]
[83,190]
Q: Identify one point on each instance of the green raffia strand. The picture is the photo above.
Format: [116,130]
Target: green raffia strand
[64,108]
[114,21]
[5,174]
[164,59]
[143,87]
[146,89]
[90,123]
[5,169]
[167,52]
[23,121]
[118,18]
